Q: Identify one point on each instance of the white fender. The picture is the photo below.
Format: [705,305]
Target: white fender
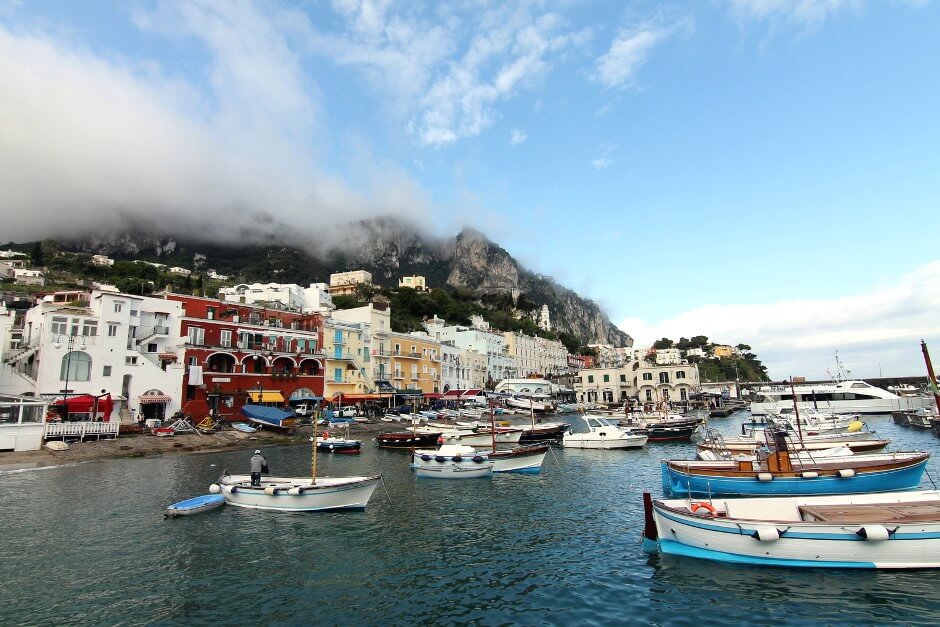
[229,489]
[296,491]
[764,476]
[873,533]
[810,474]
[847,473]
[766,534]
[271,490]
[214,488]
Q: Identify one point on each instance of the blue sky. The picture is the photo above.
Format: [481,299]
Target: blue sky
[760,171]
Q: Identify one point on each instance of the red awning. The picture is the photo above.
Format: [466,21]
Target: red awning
[471,392]
[452,393]
[352,398]
[431,395]
[154,398]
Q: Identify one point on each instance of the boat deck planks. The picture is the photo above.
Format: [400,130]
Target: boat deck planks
[928,511]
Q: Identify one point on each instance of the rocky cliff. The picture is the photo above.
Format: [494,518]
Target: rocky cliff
[388,249]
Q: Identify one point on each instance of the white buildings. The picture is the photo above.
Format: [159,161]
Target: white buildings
[346,282]
[667,356]
[415,282]
[535,355]
[180,271]
[646,382]
[499,364]
[315,298]
[102,260]
[124,345]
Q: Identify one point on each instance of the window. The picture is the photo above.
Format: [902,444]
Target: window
[112,329]
[623,378]
[106,371]
[649,396]
[152,347]
[60,326]
[225,338]
[118,307]
[193,361]
[89,328]
[683,395]
[414,371]
[196,336]
[134,312]
[425,368]
[664,377]
[337,375]
[680,374]
[132,361]
[590,378]
[210,313]
[606,378]
[647,376]
[76,366]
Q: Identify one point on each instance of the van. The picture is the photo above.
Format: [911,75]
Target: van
[347,411]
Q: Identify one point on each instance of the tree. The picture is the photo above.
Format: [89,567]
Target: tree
[663,343]
[37,255]
[698,341]
[743,347]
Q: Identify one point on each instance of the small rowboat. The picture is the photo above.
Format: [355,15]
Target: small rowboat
[243,427]
[195,505]
[163,432]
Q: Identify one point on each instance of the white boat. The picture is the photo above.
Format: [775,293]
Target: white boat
[897,530]
[452,461]
[527,404]
[296,494]
[520,459]
[837,397]
[599,433]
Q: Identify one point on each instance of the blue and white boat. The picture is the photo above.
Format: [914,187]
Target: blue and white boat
[195,505]
[265,416]
[785,474]
[898,530]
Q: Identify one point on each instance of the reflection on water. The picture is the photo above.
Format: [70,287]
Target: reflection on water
[88,544]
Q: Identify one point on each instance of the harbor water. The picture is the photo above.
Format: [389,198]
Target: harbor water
[88,544]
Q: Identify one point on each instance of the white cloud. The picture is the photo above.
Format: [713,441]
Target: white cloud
[517,136]
[604,161]
[803,13]
[617,68]
[91,142]
[875,332]
[447,72]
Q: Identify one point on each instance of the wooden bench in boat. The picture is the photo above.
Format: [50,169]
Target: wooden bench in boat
[927,511]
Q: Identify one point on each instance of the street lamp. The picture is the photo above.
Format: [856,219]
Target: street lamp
[70,343]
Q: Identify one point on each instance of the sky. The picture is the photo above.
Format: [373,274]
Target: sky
[758,171]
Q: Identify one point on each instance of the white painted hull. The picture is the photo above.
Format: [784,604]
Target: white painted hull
[604,443]
[772,531]
[297,494]
[455,471]
[530,463]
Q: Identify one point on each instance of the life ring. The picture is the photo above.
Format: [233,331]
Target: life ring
[702,505]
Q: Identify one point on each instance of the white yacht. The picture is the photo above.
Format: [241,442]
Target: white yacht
[837,397]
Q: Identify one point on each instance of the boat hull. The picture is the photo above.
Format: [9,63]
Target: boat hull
[297,494]
[793,541]
[195,505]
[454,470]
[594,441]
[679,482]
[407,440]
[522,460]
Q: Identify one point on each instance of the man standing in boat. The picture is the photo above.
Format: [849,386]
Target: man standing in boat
[258,465]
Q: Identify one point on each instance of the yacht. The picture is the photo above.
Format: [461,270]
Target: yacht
[837,397]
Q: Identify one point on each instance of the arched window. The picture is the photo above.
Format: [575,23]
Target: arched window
[76,366]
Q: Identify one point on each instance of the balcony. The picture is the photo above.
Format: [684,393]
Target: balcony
[398,377]
[333,381]
[411,355]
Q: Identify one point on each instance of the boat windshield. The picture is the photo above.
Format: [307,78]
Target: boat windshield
[596,421]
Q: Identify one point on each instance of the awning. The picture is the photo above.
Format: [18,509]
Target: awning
[432,395]
[266,396]
[353,398]
[153,398]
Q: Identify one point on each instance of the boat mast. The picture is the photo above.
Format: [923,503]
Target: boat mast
[796,410]
[492,423]
[932,378]
[313,454]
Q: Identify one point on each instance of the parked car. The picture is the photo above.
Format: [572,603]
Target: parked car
[347,411]
[304,409]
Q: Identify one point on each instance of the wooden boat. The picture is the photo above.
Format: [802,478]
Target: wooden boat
[528,404]
[452,461]
[407,439]
[163,432]
[339,445]
[778,472]
[296,494]
[520,459]
[195,505]
[543,431]
[749,446]
[596,432]
[669,428]
[895,530]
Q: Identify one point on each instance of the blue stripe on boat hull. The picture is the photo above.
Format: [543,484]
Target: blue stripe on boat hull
[670,547]
[679,484]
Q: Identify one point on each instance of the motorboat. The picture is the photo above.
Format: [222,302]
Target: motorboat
[898,530]
[597,432]
[777,472]
[407,439]
[543,431]
[919,418]
[666,427]
[528,404]
[452,461]
[837,397]
[338,445]
[296,494]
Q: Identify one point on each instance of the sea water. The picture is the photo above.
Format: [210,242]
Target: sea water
[88,544]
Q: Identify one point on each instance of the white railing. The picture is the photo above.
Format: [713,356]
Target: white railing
[81,429]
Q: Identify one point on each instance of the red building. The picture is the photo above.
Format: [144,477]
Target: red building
[238,354]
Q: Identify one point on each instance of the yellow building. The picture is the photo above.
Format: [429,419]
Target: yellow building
[346,282]
[414,282]
[722,351]
[347,368]
[415,362]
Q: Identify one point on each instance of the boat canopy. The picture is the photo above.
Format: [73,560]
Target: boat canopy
[262,413]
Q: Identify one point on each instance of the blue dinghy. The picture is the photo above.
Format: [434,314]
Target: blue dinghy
[243,427]
[195,505]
